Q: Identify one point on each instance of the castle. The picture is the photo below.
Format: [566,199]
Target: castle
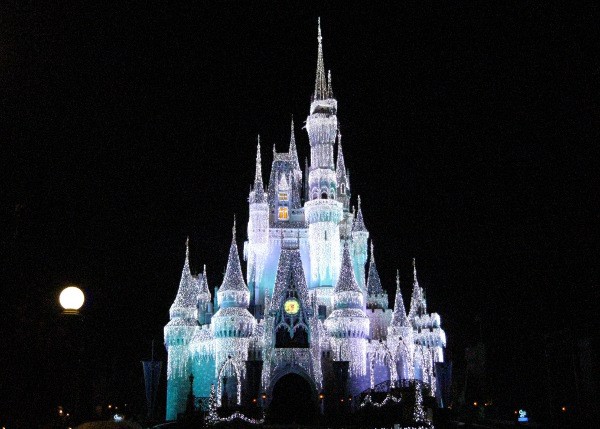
[307,306]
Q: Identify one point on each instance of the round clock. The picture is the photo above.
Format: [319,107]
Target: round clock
[291,306]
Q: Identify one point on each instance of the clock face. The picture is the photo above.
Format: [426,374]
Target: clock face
[291,306]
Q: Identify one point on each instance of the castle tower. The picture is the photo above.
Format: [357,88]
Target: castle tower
[232,325]
[258,236]
[323,212]
[178,334]
[360,238]
[348,324]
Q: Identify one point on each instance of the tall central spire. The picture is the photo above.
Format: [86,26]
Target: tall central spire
[321,91]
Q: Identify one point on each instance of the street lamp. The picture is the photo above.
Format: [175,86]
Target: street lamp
[71,299]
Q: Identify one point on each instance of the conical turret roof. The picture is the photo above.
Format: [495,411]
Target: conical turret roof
[340,168]
[234,279]
[418,306]
[359,223]
[373,282]
[186,300]
[293,153]
[399,315]
[204,291]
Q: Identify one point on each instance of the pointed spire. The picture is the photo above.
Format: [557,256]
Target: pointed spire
[294,153]
[415,281]
[259,191]
[204,294]
[359,223]
[418,305]
[283,183]
[185,301]
[234,279]
[340,169]
[399,314]
[258,174]
[320,83]
[373,283]
[329,87]
[346,281]
[233,229]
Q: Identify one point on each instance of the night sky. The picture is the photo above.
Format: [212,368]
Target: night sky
[471,131]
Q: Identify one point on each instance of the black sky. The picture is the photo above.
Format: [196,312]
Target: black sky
[470,130]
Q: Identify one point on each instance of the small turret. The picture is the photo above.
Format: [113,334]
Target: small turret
[178,334]
[232,325]
[348,323]
[360,238]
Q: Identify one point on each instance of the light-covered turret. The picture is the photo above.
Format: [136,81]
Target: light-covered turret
[360,239]
[348,324]
[256,249]
[232,325]
[400,336]
[178,334]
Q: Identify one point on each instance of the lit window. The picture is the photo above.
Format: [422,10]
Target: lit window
[283,196]
[283,213]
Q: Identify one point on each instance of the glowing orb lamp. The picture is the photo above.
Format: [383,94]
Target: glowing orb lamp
[71,299]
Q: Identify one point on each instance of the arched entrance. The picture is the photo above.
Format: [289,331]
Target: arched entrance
[293,401]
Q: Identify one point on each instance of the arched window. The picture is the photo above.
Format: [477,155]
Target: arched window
[323,195]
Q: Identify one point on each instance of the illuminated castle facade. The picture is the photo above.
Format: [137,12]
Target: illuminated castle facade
[311,304]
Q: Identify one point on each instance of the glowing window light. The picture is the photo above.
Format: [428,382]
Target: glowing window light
[283,213]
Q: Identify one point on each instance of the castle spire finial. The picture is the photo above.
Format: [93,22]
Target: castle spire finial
[233,229]
[372,253]
[329,87]
[414,270]
[258,174]
[320,82]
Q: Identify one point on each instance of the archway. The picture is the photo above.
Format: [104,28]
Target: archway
[292,401]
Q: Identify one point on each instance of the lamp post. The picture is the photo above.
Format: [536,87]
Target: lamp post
[71,299]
